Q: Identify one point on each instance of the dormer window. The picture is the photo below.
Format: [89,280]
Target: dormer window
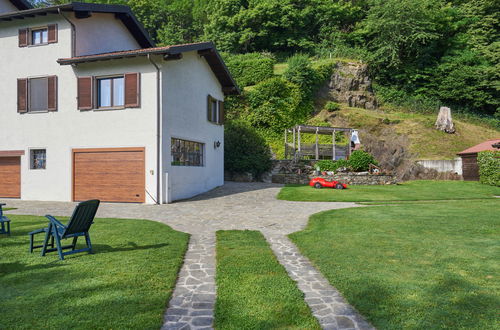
[40,36]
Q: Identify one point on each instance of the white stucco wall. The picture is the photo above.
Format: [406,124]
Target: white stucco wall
[101,33]
[59,132]
[186,84]
[7,7]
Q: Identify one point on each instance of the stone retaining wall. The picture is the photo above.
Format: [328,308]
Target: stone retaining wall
[348,178]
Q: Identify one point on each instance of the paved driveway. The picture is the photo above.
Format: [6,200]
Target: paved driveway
[232,206]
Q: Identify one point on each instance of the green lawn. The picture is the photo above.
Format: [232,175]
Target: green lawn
[253,289]
[125,284]
[414,265]
[408,191]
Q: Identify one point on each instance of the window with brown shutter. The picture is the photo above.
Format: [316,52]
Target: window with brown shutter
[209,108]
[132,90]
[52,93]
[22,95]
[221,113]
[52,32]
[23,37]
[85,96]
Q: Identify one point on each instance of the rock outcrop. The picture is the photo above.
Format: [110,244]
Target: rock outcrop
[351,84]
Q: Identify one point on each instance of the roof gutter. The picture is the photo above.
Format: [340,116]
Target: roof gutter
[159,171]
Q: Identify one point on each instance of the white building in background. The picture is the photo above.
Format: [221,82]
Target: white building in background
[89,108]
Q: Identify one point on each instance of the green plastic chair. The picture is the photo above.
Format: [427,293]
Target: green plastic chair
[78,225]
[4,222]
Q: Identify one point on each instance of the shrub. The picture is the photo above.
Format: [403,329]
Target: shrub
[360,161]
[331,166]
[250,69]
[245,150]
[276,104]
[332,106]
[301,73]
[489,167]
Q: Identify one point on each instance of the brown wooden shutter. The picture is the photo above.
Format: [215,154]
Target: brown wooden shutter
[23,37]
[209,108]
[52,88]
[85,96]
[132,90]
[221,113]
[22,95]
[52,31]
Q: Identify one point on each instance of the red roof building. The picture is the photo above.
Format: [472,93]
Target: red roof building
[470,168]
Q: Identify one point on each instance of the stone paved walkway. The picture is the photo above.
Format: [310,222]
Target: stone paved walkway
[326,303]
[238,206]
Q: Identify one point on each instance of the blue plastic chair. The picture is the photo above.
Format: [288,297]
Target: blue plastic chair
[4,222]
[78,225]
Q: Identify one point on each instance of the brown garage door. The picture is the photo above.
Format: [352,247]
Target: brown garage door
[110,175]
[10,177]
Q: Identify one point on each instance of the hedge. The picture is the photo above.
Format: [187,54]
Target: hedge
[489,167]
[250,69]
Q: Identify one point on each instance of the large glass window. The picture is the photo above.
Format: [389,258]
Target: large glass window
[187,153]
[40,36]
[111,92]
[38,94]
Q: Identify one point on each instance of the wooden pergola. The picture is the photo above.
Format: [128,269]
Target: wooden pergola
[298,150]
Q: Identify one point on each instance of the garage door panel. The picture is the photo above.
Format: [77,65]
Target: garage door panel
[111,176]
[10,177]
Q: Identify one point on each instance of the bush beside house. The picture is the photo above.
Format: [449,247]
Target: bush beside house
[489,167]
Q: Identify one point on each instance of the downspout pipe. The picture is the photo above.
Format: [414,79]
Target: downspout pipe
[158,130]
[73,33]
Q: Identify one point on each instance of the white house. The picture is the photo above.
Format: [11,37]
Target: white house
[89,108]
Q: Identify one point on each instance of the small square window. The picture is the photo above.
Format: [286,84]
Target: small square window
[40,37]
[38,159]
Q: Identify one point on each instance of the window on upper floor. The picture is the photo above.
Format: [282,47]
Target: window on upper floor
[215,110]
[37,94]
[38,36]
[111,92]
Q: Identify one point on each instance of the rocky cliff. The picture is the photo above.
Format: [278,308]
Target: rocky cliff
[350,84]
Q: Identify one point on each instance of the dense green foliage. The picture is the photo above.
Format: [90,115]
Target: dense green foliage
[125,284]
[360,161]
[332,106]
[415,265]
[245,150]
[250,69]
[253,290]
[489,167]
[435,51]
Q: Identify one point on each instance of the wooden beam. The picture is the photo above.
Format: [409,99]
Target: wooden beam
[317,146]
[333,145]
[172,57]
[286,143]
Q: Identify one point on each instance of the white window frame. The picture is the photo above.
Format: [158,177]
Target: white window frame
[98,92]
[31,158]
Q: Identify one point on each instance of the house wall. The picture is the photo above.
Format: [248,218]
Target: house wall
[6,6]
[59,132]
[186,85]
[101,33]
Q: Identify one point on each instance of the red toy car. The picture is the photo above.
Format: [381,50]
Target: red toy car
[319,183]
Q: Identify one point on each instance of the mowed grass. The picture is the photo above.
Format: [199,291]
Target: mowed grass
[412,266]
[125,284]
[253,289]
[408,191]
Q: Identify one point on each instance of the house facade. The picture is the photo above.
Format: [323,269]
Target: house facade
[90,108]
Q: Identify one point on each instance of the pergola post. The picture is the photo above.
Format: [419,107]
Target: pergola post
[333,145]
[299,146]
[349,145]
[286,144]
[317,146]
[294,143]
